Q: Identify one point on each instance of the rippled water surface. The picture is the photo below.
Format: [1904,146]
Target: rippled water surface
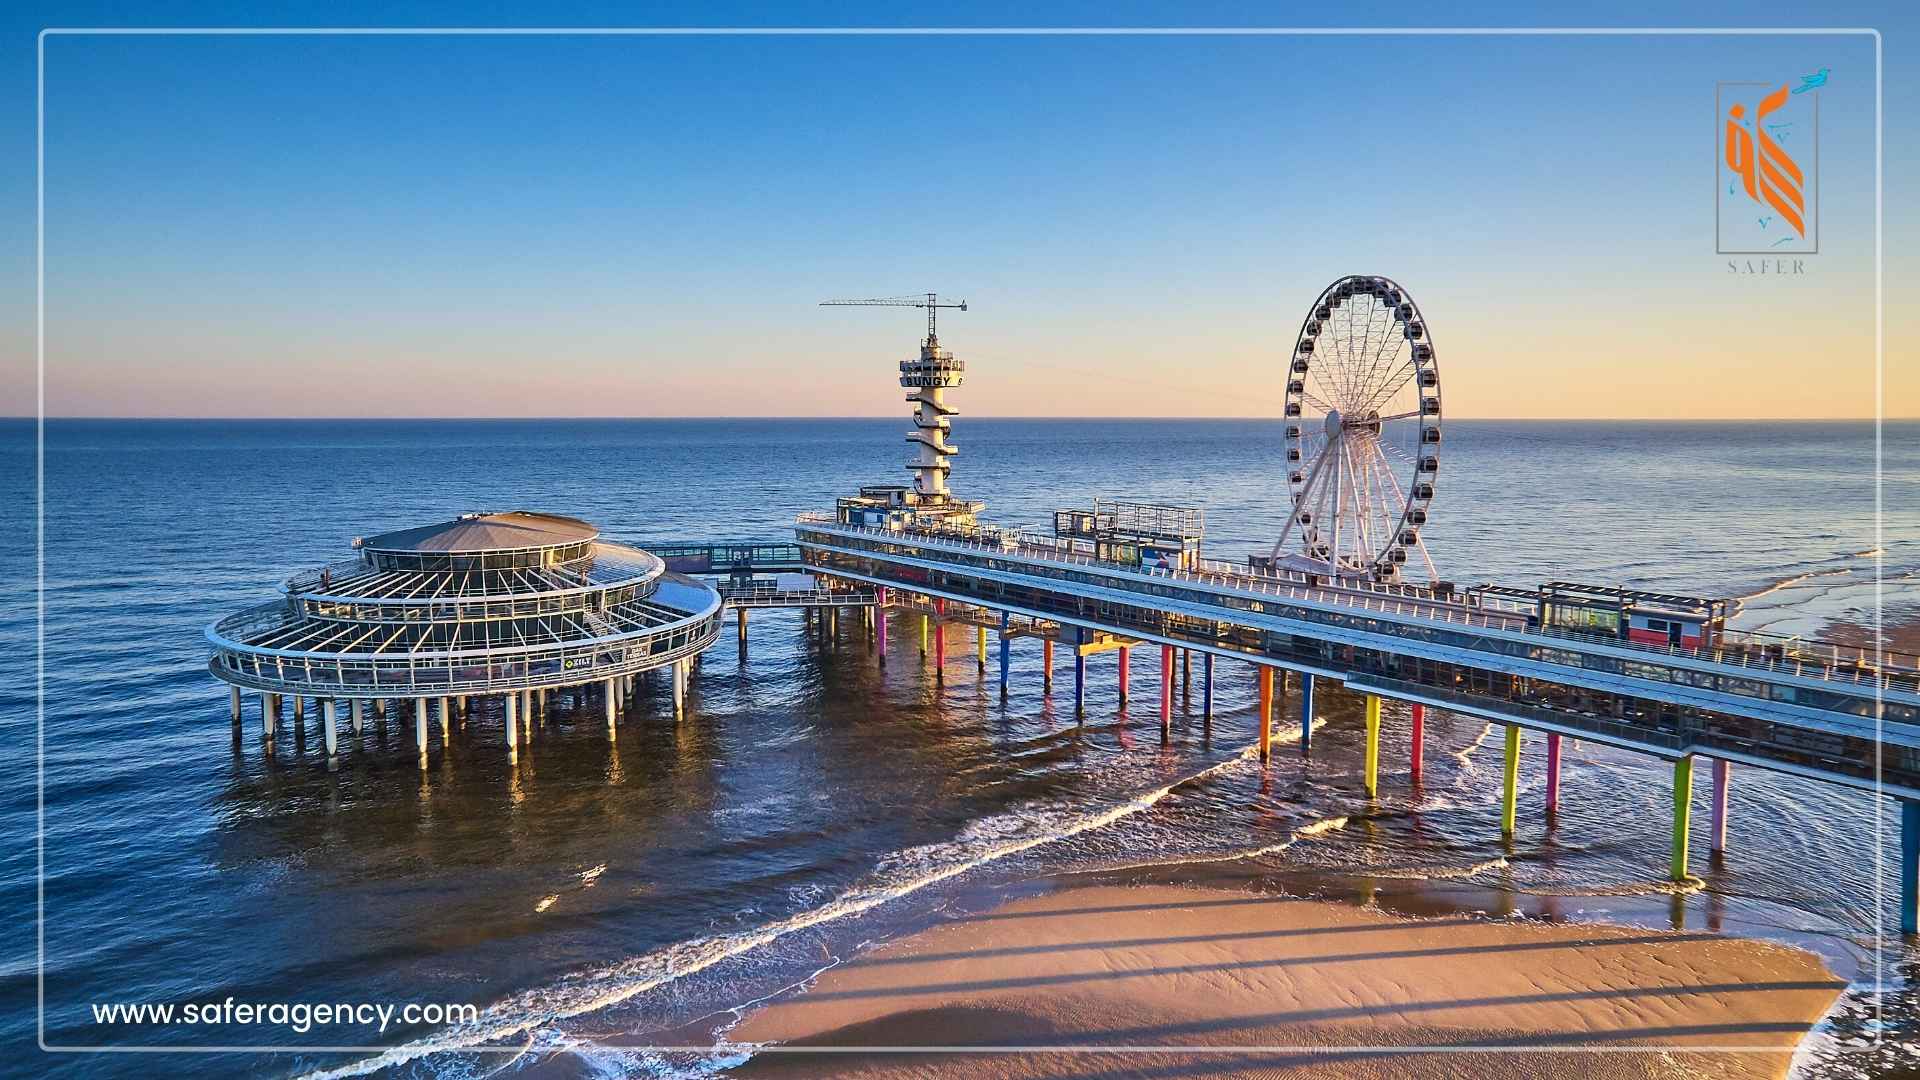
[814,800]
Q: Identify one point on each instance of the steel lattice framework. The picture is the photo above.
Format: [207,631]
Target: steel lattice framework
[1362,432]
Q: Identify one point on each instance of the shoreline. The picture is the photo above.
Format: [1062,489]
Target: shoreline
[1323,986]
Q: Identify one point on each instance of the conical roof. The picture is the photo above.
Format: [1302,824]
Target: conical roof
[476,533]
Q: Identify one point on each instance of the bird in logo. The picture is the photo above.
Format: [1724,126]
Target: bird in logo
[1812,82]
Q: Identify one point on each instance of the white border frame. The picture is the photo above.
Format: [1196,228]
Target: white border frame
[40,559]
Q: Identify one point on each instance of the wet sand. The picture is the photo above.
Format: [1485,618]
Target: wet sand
[1330,988]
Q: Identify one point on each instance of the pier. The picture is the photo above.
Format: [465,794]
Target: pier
[515,606]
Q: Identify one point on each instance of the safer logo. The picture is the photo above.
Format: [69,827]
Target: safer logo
[1767,166]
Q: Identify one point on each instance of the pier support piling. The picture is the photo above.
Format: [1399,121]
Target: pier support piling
[269,716]
[1553,773]
[420,729]
[1722,779]
[1306,712]
[1373,746]
[1682,815]
[358,710]
[1186,678]
[1046,666]
[924,622]
[1419,751]
[330,722]
[880,622]
[1079,674]
[1265,678]
[1510,785]
[1126,667]
[612,709]
[446,720]
[1006,652]
[980,645]
[1166,689]
[1909,891]
[513,726]
[1206,687]
[679,690]
[741,615]
[233,701]
[299,707]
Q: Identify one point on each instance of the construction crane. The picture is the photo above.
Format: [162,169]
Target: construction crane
[930,301]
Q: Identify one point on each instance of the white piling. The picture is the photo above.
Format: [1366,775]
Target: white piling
[420,729]
[359,712]
[513,722]
[234,698]
[329,713]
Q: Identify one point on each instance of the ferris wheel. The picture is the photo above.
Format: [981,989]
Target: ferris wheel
[1362,432]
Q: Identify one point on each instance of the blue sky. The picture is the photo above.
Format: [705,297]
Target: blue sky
[642,226]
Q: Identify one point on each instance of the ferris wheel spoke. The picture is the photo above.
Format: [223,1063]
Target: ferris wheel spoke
[1400,416]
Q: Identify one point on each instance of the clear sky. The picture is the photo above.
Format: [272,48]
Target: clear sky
[613,226]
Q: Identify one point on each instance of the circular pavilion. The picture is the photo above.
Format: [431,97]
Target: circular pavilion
[512,605]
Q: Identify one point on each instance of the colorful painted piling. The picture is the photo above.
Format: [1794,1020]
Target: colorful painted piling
[1046,665]
[980,646]
[1373,746]
[1553,772]
[1682,815]
[1166,689]
[1910,867]
[1306,712]
[1510,791]
[1126,668]
[1266,711]
[1006,652]
[880,622]
[1722,778]
[1418,752]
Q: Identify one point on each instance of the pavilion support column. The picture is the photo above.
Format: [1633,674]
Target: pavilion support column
[1306,712]
[446,720]
[1553,773]
[1126,666]
[1186,678]
[740,615]
[1419,751]
[1265,676]
[512,702]
[330,721]
[420,729]
[233,701]
[980,645]
[1510,786]
[269,716]
[880,623]
[679,690]
[1722,780]
[1046,665]
[461,706]
[612,712]
[1166,689]
[379,708]
[1909,868]
[357,709]
[1206,687]
[923,634]
[1006,652]
[1373,746]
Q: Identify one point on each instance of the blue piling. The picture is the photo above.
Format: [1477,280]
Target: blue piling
[1306,712]
[1005,649]
[1910,867]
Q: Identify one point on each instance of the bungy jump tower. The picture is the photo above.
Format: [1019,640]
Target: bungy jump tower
[511,606]
[929,376]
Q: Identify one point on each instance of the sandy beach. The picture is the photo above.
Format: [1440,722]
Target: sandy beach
[1332,988]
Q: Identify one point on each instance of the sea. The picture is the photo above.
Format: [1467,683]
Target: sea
[618,899]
